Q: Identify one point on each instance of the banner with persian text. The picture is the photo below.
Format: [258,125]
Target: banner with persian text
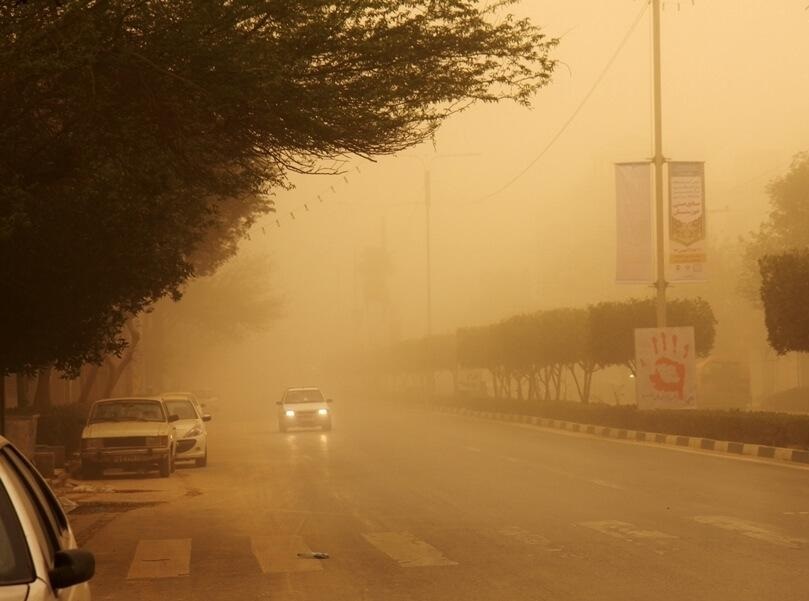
[687,236]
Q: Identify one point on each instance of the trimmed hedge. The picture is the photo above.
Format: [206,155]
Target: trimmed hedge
[764,428]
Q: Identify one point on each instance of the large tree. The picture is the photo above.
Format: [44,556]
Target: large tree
[131,126]
[786,228]
[785,294]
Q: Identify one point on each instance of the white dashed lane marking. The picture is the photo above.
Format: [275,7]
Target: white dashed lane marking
[407,550]
[626,531]
[164,558]
[751,530]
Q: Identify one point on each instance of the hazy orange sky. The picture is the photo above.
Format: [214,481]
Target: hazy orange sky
[735,92]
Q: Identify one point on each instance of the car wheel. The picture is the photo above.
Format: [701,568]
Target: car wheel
[165,467]
[173,462]
[203,461]
[327,427]
[282,427]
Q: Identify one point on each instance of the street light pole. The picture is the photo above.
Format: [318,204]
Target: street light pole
[427,204]
[661,283]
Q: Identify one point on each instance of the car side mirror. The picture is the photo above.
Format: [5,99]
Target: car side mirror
[206,418]
[329,400]
[72,567]
[173,418]
[279,402]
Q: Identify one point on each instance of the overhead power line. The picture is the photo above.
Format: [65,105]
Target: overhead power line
[574,114]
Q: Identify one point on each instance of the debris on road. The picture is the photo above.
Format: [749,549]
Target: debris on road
[314,555]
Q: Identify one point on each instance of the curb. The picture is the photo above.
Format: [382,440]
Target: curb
[705,444]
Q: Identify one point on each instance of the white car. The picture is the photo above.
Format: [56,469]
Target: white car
[128,433]
[304,408]
[39,560]
[192,435]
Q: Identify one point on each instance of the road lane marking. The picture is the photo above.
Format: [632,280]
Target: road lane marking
[802,513]
[626,531]
[163,558]
[512,459]
[606,484]
[407,550]
[278,554]
[751,530]
[528,538]
[473,449]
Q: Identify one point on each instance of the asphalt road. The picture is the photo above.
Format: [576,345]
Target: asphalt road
[417,505]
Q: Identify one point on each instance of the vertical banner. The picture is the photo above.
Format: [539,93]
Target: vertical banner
[687,240]
[665,368]
[633,192]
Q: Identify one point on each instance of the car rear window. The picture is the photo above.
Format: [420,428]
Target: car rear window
[182,409]
[15,559]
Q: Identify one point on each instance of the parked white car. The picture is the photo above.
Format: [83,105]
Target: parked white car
[192,435]
[130,433]
[39,560]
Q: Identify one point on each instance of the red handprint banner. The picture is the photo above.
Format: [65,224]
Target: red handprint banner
[666,368]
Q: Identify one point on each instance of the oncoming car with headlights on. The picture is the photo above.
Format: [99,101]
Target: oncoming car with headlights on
[304,408]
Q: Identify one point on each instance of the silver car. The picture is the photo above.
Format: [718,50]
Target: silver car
[39,560]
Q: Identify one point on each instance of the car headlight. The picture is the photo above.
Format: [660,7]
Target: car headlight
[195,431]
[289,413]
[157,441]
[322,411]
[91,444]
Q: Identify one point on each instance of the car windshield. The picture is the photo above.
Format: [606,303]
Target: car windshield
[15,565]
[304,396]
[182,409]
[127,411]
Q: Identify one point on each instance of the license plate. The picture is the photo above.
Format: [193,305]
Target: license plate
[127,458]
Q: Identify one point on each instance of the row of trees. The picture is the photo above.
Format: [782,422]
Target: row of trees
[528,356]
[142,139]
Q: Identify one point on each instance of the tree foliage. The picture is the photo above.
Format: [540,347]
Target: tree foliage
[135,129]
[612,326]
[786,228]
[785,293]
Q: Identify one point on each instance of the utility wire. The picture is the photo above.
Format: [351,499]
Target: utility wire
[575,113]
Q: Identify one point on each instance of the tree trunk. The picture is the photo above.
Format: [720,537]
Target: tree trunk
[2,404]
[22,391]
[88,382]
[117,369]
[42,397]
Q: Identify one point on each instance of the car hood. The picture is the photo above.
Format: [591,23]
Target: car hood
[184,425]
[113,429]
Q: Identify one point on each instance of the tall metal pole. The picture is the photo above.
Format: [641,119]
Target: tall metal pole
[427,202]
[661,283]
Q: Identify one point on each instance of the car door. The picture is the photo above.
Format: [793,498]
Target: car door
[16,566]
[51,528]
